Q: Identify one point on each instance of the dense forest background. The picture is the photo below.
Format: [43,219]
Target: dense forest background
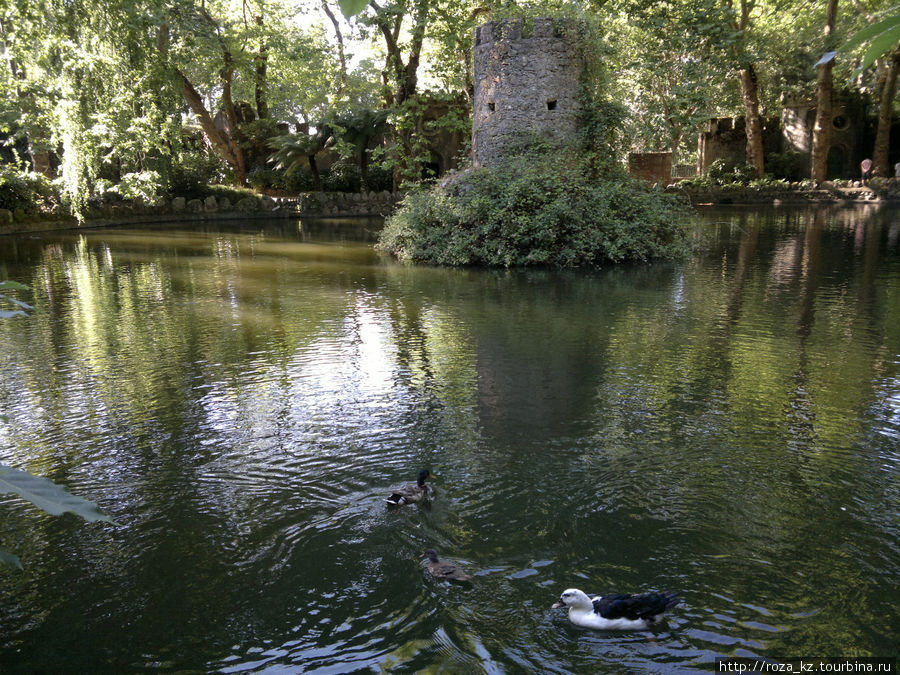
[146,98]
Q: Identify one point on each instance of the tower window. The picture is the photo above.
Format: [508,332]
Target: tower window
[491,106]
[551,104]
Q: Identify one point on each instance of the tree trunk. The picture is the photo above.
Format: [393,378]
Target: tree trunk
[222,144]
[37,136]
[342,83]
[314,170]
[749,84]
[750,94]
[261,63]
[821,136]
[364,169]
[880,165]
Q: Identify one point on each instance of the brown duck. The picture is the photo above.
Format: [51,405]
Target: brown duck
[444,570]
[410,494]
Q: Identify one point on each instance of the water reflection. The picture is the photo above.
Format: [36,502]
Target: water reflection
[240,399]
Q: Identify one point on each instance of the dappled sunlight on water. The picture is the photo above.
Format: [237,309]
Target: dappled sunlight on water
[242,400]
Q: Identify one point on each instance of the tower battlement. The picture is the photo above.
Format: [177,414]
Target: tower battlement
[519,29]
[527,80]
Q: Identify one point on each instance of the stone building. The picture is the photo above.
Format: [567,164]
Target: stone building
[848,127]
[527,79]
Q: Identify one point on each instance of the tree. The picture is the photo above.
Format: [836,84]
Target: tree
[291,151]
[749,79]
[662,52]
[821,136]
[883,39]
[881,149]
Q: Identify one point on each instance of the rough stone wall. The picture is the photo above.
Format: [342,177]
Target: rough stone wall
[724,138]
[653,167]
[798,117]
[527,79]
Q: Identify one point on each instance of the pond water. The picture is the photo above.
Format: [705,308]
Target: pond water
[242,399]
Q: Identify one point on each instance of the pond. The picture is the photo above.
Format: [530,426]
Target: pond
[241,400]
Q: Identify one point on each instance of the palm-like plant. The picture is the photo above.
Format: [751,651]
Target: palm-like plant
[292,151]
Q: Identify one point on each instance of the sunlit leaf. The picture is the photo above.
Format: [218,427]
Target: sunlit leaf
[23,305]
[882,44]
[12,286]
[350,8]
[869,32]
[47,495]
[9,559]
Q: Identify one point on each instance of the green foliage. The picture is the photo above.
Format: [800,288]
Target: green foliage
[191,172]
[145,185]
[787,165]
[542,208]
[721,172]
[25,190]
[882,36]
[351,8]
[47,495]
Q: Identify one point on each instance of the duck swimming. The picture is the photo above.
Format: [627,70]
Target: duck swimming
[620,611]
[444,570]
[410,494]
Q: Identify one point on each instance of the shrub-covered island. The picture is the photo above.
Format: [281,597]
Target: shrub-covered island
[547,187]
[541,206]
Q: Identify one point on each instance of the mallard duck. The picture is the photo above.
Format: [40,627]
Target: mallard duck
[444,570]
[410,494]
[620,611]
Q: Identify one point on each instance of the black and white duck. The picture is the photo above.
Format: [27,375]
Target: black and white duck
[620,611]
[410,494]
[444,570]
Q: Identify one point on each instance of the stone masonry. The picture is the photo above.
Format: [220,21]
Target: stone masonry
[527,79]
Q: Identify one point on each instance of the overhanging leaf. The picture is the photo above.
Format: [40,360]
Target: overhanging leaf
[869,32]
[9,559]
[47,495]
[8,314]
[12,286]
[350,8]
[882,44]
[23,305]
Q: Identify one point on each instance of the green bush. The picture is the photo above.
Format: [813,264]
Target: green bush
[539,208]
[144,185]
[25,190]
[297,180]
[342,177]
[787,165]
[380,179]
[263,178]
[191,174]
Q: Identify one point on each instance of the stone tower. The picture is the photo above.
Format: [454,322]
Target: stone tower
[525,81]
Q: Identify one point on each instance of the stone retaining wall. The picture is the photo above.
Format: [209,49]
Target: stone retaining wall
[312,204]
[748,195]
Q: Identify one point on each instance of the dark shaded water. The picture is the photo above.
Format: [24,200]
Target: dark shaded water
[241,401]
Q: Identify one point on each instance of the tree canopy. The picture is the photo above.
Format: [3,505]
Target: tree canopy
[158,93]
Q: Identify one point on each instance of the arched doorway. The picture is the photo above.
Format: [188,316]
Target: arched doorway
[836,162]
